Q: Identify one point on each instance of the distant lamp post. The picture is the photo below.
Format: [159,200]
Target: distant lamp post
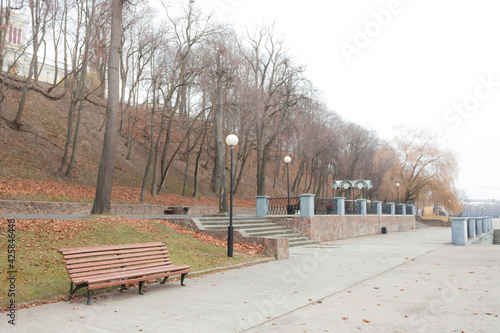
[397,191]
[231,141]
[287,160]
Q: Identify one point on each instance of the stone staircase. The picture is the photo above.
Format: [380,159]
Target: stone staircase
[252,226]
[496,237]
[421,225]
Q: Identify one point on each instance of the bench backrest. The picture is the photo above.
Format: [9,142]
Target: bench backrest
[91,261]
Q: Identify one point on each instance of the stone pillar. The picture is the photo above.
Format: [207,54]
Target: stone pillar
[413,212]
[340,206]
[485,225]
[459,230]
[262,205]
[393,208]
[362,202]
[403,208]
[479,226]
[307,205]
[379,207]
[472,227]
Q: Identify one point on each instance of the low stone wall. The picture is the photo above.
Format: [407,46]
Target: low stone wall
[275,247]
[324,228]
[58,208]
[434,223]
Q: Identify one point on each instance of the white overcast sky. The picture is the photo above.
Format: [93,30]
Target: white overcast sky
[419,66]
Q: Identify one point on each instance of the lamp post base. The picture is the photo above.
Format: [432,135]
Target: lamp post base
[230,241]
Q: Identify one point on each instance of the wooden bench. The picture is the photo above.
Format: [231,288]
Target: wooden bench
[104,266]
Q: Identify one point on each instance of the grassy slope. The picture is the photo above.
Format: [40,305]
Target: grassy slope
[36,151]
[41,275]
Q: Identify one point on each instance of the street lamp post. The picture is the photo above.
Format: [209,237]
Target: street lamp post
[231,141]
[287,160]
[397,190]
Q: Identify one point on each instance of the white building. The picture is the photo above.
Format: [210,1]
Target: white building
[18,62]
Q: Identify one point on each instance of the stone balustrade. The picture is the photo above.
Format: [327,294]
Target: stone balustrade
[470,230]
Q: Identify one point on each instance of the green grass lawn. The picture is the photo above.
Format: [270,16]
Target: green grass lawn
[41,275]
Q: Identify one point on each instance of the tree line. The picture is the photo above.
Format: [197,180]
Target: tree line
[178,82]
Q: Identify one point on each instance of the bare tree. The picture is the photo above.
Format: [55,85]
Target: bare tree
[102,200]
[39,13]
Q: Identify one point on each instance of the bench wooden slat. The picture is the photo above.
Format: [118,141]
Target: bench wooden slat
[109,247]
[157,276]
[101,252]
[119,262]
[133,274]
[110,257]
[104,268]
[121,269]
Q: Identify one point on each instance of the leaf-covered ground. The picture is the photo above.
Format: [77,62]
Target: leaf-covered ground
[41,276]
[29,189]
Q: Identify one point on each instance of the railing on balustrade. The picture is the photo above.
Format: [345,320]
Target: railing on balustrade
[399,210]
[281,206]
[386,209]
[409,210]
[352,207]
[371,208]
[325,206]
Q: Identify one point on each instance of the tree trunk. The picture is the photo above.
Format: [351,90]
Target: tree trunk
[102,201]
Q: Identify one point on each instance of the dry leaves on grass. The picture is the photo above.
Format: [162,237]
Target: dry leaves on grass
[30,187]
[240,247]
[68,228]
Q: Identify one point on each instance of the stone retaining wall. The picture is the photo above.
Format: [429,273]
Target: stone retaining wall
[58,208]
[324,228]
[434,223]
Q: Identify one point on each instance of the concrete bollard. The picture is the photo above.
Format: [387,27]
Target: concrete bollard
[459,230]
[362,202]
[472,228]
[393,208]
[479,226]
[340,206]
[486,227]
[262,205]
[307,205]
[379,207]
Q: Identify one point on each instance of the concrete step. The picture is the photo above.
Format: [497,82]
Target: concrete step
[240,223]
[301,243]
[272,233]
[421,225]
[256,227]
[496,237]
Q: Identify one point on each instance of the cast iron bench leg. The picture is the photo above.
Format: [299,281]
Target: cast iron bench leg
[141,283]
[72,290]
[182,278]
[88,296]
[164,280]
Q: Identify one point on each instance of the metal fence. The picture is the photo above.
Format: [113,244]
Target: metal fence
[371,208]
[399,210]
[352,208]
[409,211]
[281,206]
[325,206]
[386,209]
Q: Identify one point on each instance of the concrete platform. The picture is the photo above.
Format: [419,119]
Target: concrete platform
[413,281]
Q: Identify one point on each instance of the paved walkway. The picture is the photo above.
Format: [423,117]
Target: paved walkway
[413,281]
